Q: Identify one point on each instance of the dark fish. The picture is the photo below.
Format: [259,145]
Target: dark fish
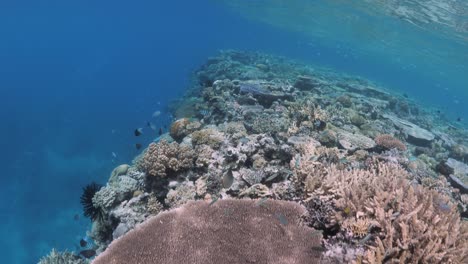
[160,131]
[138,146]
[138,131]
[438,111]
[228,179]
[83,243]
[76,217]
[88,253]
[459,119]
[405,95]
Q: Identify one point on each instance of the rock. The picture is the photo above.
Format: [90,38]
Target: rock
[351,141]
[306,83]
[415,134]
[457,183]
[459,178]
[328,138]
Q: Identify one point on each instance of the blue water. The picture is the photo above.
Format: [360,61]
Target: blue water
[77,77]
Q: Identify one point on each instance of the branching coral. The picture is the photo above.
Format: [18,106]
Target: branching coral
[163,157]
[56,257]
[414,224]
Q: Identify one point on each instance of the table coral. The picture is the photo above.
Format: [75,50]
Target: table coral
[226,231]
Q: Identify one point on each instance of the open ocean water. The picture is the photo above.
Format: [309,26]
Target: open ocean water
[78,77]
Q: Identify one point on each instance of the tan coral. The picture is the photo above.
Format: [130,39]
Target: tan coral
[163,157]
[417,225]
[208,136]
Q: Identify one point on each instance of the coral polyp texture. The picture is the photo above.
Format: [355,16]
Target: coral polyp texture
[383,178]
[225,231]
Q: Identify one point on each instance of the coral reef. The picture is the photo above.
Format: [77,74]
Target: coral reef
[382,178]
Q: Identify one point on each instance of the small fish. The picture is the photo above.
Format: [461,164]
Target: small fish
[76,217]
[83,243]
[138,131]
[138,146]
[214,200]
[319,249]
[272,177]
[114,155]
[228,179]
[88,253]
[152,126]
[160,132]
[347,210]
[405,95]
[316,232]
[459,119]
[261,202]
[205,113]
[156,113]
[283,220]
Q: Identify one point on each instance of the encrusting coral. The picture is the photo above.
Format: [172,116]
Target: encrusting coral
[162,158]
[223,231]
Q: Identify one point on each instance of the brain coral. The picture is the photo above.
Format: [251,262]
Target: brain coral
[163,157]
[227,231]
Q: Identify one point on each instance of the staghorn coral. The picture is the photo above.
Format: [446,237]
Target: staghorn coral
[65,257]
[225,231]
[162,158]
[415,225]
[308,167]
[389,142]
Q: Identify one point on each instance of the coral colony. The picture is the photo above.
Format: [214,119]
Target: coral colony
[271,161]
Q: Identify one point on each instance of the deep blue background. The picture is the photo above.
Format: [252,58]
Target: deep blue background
[76,77]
